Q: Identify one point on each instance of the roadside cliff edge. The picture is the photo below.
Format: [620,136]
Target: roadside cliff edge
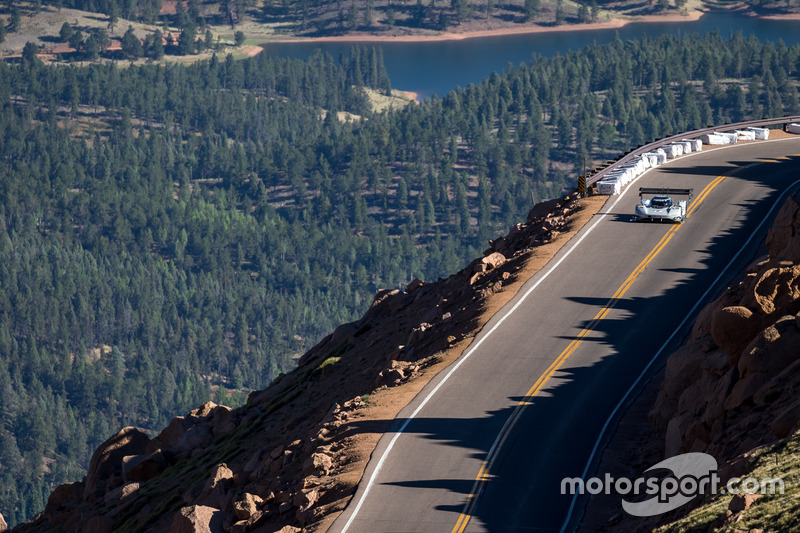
[291,457]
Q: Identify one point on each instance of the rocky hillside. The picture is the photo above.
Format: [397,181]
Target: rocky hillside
[733,390]
[734,385]
[291,457]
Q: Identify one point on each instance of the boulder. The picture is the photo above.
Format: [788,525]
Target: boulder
[383,295]
[143,467]
[305,498]
[342,334]
[715,362]
[702,325]
[695,397]
[64,498]
[203,411]
[277,452]
[732,328]
[389,377]
[107,459]
[775,289]
[742,502]
[774,349]
[120,494]
[3,524]
[417,333]
[222,420]
[414,285]
[784,227]
[744,390]
[714,408]
[198,519]
[66,492]
[289,529]
[786,421]
[698,435]
[399,301]
[247,506]
[499,244]
[319,464]
[673,441]
[245,526]
[214,492]
[253,465]
[493,260]
[682,370]
[552,222]
[170,436]
[792,250]
[480,268]
[192,492]
[304,501]
[197,436]
[289,455]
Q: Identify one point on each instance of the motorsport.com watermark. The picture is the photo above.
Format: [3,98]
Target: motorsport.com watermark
[693,474]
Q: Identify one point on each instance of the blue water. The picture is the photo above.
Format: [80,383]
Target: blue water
[438,67]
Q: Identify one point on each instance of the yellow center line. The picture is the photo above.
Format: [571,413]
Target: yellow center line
[702,195]
[483,473]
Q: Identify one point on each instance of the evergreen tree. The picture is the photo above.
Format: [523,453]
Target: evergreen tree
[531,9]
[186,43]
[131,45]
[65,33]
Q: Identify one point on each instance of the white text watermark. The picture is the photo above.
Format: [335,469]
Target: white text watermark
[691,474]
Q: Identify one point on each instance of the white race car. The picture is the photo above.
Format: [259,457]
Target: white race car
[661,206]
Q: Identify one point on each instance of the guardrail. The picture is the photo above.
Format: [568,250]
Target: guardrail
[596,175]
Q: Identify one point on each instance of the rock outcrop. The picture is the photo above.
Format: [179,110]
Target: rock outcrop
[735,383]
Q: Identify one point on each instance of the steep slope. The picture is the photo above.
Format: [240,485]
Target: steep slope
[292,455]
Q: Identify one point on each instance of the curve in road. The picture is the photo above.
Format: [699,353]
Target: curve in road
[594,329]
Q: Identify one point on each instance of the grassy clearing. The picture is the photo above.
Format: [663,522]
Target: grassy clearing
[383,102]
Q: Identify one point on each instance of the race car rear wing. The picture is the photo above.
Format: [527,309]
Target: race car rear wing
[666,191]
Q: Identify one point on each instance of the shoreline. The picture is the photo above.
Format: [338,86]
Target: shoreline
[783,16]
[611,24]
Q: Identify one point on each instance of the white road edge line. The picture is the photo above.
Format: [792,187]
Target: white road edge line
[680,327]
[466,356]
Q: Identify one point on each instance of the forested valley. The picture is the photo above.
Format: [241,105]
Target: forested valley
[173,234]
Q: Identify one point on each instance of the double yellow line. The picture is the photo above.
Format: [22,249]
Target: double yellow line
[483,473]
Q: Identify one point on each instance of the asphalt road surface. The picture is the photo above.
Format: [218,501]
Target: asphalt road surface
[570,352]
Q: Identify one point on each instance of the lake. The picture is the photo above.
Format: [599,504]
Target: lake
[437,67]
